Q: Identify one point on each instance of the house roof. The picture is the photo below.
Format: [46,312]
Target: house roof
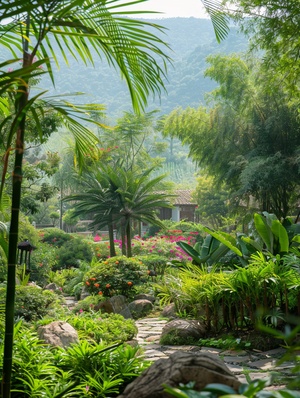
[184,197]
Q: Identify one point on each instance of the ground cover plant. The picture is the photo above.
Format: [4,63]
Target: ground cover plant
[84,369]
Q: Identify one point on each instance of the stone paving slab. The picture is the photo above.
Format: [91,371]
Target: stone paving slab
[238,362]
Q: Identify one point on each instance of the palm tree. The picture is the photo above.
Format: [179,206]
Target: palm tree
[116,196]
[139,198]
[76,27]
[97,200]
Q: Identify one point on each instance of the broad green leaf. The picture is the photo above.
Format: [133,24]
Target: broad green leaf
[226,239]
[252,242]
[191,252]
[280,232]
[264,231]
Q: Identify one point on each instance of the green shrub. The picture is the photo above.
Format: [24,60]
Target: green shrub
[27,231]
[73,252]
[87,304]
[116,275]
[33,303]
[108,328]
[42,261]
[82,370]
[54,236]
[155,263]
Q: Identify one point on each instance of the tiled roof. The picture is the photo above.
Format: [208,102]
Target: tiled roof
[183,197]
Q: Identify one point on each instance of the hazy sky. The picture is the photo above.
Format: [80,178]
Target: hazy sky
[173,8]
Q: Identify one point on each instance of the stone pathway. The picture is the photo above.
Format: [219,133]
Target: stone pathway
[256,365]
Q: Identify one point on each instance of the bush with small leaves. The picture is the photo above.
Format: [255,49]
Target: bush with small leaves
[73,252]
[108,328]
[43,260]
[116,275]
[102,250]
[33,303]
[54,236]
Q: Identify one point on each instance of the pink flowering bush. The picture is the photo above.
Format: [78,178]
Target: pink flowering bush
[163,246]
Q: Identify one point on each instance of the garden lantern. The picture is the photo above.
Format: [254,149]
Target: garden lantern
[24,249]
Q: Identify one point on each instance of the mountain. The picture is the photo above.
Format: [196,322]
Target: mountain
[191,41]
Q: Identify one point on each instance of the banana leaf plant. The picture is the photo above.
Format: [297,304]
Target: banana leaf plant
[271,235]
[210,251]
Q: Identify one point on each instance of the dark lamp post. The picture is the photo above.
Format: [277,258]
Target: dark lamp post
[24,250]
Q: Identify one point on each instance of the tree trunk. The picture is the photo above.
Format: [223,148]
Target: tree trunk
[13,243]
[128,237]
[123,239]
[17,175]
[112,249]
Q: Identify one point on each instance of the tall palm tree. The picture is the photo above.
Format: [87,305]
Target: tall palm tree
[29,30]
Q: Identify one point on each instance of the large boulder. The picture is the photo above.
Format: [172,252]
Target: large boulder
[140,308]
[182,330]
[58,333]
[115,304]
[181,367]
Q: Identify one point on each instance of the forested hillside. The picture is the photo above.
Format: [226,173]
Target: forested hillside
[191,41]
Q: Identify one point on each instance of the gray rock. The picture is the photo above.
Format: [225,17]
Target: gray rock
[140,308]
[169,311]
[145,296]
[58,333]
[180,367]
[52,286]
[184,329]
[115,304]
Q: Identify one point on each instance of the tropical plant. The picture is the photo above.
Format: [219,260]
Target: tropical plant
[116,196]
[74,26]
[85,369]
[255,389]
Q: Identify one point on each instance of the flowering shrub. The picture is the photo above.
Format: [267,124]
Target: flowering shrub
[116,275]
[161,245]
